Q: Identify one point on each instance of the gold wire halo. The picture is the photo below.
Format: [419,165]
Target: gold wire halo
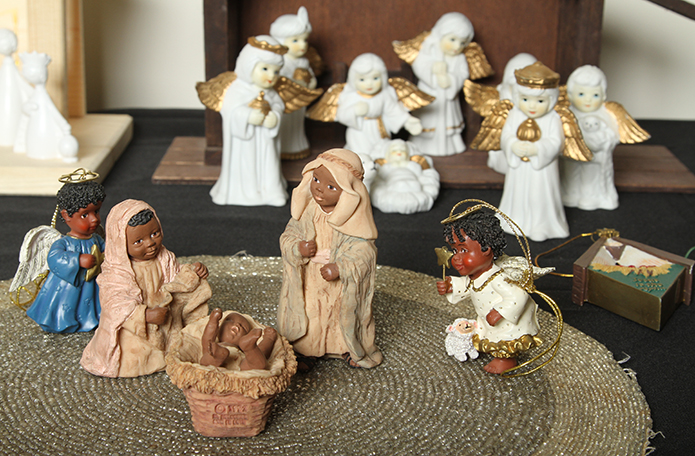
[77,176]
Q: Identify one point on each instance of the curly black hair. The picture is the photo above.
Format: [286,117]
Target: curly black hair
[481,226]
[73,197]
[141,218]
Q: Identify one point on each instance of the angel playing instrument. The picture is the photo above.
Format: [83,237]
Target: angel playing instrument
[499,287]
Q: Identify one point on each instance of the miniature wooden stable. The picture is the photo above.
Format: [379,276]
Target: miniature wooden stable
[563,34]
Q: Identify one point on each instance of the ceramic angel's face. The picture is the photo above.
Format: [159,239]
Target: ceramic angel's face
[587,99]
[297,45]
[325,189]
[469,258]
[144,241]
[369,83]
[451,44]
[534,106]
[265,75]
[398,154]
[85,221]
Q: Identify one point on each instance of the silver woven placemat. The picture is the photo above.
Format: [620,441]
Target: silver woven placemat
[419,401]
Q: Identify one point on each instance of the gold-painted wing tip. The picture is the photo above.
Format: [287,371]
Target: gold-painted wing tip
[629,130]
[211,93]
[408,94]
[478,65]
[326,108]
[408,50]
[488,138]
[479,97]
[574,148]
[295,96]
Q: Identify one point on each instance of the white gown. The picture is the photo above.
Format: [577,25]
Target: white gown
[531,195]
[364,133]
[292,135]
[14,92]
[591,185]
[442,120]
[251,174]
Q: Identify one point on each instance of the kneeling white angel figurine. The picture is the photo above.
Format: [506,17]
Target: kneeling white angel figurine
[371,105]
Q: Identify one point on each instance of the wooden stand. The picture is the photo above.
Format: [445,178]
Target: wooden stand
[102,138]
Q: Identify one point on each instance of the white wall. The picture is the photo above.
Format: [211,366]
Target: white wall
[150,54]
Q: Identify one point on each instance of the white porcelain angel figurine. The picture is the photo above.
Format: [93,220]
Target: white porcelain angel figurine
[302,65]
[405,181]
[482,98]
[252,100]
[47,135]
[371,105]
[532,132]
[14,90]
[590,185]
[442,60]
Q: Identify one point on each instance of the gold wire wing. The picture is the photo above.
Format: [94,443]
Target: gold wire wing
[629,129]
[211,93]
[315,61]
[562,99]
[478,66]
[408,94]
[326,108]
[408,50]
[294,95]
[575,148]
[480,97]
[488,138]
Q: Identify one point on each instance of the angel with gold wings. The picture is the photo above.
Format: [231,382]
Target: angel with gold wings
[371,105]
[443,59]
[482,98]
[302,65]
[252,100]
[590,185]
[532,131]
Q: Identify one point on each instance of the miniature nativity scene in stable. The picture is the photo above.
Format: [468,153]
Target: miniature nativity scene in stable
[149,313]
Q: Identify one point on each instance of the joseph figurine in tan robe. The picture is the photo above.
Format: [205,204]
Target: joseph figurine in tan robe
[329,263]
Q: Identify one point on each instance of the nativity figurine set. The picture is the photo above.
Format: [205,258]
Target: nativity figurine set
[30,122]
[151,312]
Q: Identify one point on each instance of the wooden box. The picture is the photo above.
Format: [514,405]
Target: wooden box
[633,280]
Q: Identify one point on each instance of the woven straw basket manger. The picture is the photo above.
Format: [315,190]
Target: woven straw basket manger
[227,402]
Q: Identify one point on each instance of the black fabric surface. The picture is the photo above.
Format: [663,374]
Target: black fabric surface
[193,225]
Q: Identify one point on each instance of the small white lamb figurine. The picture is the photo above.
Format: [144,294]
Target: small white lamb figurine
[14,91]
[459,339]
[45,134]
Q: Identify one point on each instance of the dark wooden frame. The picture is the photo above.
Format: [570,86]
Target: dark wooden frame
[575,24]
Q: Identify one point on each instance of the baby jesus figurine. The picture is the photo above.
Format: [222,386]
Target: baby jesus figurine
[507,324]
[235,331]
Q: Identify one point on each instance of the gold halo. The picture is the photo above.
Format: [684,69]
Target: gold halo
[77,176]
[278,49]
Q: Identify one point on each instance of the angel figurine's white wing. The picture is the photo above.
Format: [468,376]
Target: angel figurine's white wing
[515,267]
[33,255]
